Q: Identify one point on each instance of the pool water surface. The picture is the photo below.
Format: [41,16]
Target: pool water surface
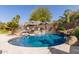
[39,40]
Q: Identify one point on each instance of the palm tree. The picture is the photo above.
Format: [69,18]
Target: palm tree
[61,20]
[76,16]
[67,15]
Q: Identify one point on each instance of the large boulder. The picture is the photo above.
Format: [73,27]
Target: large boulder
[72,40]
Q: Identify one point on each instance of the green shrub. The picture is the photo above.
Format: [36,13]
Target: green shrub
[62,28]
[76,32]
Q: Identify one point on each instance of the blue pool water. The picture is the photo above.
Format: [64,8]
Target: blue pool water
[39,40]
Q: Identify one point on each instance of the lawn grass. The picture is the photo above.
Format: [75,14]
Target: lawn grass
[4,32]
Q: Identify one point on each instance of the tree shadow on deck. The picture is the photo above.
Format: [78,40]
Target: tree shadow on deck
[73,50]
[56,51]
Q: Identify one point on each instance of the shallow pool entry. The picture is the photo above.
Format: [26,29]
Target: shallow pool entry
[39,40]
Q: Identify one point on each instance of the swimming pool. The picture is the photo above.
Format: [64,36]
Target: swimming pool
[39,40]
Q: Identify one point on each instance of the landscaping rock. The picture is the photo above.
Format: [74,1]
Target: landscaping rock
[72,40]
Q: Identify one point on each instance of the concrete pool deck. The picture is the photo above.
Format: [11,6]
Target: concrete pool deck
[12,49]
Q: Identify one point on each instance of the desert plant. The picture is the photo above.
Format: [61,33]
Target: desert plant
[14,24]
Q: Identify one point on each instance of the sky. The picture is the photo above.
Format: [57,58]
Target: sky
[7,12]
